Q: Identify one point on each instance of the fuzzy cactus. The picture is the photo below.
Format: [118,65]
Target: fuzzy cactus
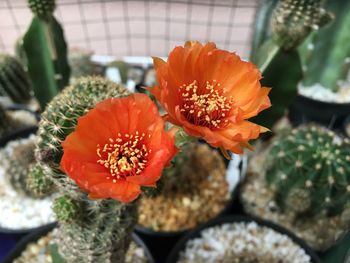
[38,182]
[44,50]
[14,81]
[90,230]
[308,170]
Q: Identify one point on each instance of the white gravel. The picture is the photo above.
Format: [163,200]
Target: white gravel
[18,211]
[318,92]
[229,241]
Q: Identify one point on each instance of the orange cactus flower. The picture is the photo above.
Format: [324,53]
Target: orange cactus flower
[117,147]
[211,93]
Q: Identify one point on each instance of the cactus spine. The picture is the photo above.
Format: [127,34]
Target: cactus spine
[45,52]
[14,81]
[308,172]
[90,230]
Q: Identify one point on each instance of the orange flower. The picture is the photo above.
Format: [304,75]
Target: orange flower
[117,147]
[211,93]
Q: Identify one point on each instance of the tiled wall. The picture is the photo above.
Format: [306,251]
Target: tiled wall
[139,28]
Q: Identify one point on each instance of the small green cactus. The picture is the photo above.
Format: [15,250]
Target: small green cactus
[80,63]
[14,81]
[42,8]
[308,170]
[90,230]
[38,181]
[67,209]
[293,20]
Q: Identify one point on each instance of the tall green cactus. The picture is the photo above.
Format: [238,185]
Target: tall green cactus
[308,170]
[275,49]
[46,52]
[328,51]
[14,81]
[90,230]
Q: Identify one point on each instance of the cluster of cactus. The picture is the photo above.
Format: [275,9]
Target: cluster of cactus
[329,45]
[19,163]
[45,52]
[14,81]
[308,171]
[90,230]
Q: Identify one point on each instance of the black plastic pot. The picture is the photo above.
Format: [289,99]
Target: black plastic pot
[180,246]
[35,235]
[328,114]
[166,240]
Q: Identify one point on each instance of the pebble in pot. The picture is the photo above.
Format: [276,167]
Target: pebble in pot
[241,239]
[301,182]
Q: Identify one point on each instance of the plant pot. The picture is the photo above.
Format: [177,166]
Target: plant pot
[18,134]
[166,240]
[181,245]
[42,231]
[328,114]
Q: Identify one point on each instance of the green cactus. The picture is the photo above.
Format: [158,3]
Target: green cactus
[14,81]
[45,52]
[275,49]
[327,52]
[38,182]
[90,230]
[308,170]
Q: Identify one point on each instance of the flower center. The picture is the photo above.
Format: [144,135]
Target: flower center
[205,106]
[124,156]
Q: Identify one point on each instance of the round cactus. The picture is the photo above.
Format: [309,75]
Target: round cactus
[42,8]
[80,63]
[14,81]
[62,113]
[308,169]
[38,182]
[67,209]
[293,20]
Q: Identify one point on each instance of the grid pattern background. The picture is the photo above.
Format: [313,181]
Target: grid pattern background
[139,28]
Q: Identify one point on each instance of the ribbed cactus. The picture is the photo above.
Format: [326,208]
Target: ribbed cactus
[327,52]
[308,170]
[14,81]
[90,230]
[274,49]
[45,52]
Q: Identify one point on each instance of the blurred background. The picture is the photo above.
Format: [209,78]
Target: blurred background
[139,28]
